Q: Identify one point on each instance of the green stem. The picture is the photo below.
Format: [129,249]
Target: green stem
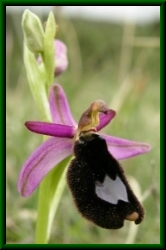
[51,189]
[43,212]
[40,78]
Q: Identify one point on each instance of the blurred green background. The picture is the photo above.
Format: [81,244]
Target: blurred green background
[116,62]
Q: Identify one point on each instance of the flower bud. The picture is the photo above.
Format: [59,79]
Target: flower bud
[33,32]
[61,61]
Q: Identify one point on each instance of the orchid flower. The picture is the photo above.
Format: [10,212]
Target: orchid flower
[61,141]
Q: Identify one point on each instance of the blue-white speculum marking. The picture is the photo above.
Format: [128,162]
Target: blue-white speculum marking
[97,181]
[111,190]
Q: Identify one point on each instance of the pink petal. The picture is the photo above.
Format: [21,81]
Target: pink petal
[43,159]
[105,119]
[59,106]
[122,149]
[51,129]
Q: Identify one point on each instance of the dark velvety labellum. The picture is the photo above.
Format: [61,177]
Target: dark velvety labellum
[98,185]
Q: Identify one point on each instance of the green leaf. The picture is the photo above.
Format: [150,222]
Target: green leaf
[37,78]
